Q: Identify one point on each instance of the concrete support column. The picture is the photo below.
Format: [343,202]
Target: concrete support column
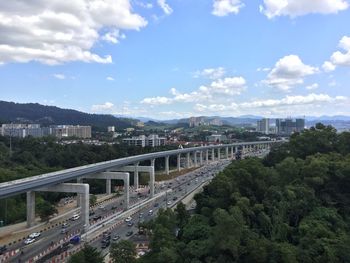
[195,159]
[127,191]
[152,179]
[207,156]
[226,149]
[188,157]
[82,189]
[85,207]
[167,165]
[79,196]
[219,154]
[30,208]
[213,154]
[136,175]
[201,158]
[179,162]
[108,186]
[232,154]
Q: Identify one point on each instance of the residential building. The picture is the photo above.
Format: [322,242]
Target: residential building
[263,126]
[289,126]
[64,131]
[21,130]
[216,122]
[111,128]
[152,140]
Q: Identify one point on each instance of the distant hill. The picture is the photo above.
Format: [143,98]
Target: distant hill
[51,115]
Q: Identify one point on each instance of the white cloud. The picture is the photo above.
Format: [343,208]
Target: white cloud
[226,7]
[165,7]
[107,106]
[220,88]
[312,86]
[328,66]
[294,8]
[228,86]
[288,72]
[54,32]
[110,78]
[59,76]
[293,101]
[211,73]
[156,101]
[113,36]
[342,59]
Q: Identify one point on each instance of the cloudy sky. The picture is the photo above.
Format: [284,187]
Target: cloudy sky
[178,58]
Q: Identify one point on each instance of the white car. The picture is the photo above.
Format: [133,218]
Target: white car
[169,203]
[75,217]
[29,241]
[128,219]
[150,212]
[34,235]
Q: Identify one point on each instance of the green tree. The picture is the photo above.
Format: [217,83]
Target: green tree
[123,252]
[88,254]
[45,209]
[93,200]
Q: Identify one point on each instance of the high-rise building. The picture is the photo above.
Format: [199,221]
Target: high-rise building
[263,126]
[289,126]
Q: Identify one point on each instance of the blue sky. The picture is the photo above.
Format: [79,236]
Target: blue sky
[178,58]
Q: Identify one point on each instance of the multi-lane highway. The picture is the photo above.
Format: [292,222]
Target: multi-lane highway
[179,187]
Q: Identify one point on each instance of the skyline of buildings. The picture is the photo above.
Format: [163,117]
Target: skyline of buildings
[21,130]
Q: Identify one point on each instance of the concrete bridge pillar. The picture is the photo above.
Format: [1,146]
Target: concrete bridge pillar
[79,196]
[201,157]
[226,150]
[213,154]
[219,154]
[108,186]
[232,154]
[207,156]
[30,209]
[179,162]
[136,175]
[74,188]
[188,157]
[167,165]
[195,159]
[152,179]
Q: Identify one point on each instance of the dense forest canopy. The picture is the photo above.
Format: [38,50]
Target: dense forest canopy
[51,115]
[293,206]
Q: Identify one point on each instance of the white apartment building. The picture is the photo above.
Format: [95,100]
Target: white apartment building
[152,140]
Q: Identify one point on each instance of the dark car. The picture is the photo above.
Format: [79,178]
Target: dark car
[174,198]
[91,212]
[97,218]
[130,224]
[3,249]
[129,233]
[114,207]
[105,243]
